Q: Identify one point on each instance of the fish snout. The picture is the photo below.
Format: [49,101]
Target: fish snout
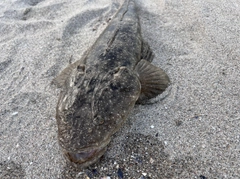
[80,157]
[84,159]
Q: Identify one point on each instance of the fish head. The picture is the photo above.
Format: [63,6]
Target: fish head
[89,114]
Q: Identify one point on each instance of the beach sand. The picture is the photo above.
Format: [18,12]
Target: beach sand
[190,131]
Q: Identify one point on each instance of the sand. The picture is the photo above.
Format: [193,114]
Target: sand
[191,131]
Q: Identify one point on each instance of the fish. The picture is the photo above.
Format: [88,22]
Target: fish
[99,91]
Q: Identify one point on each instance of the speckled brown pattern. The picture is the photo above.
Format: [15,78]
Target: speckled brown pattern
[100,90]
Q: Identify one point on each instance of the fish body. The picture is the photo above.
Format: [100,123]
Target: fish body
[100,90]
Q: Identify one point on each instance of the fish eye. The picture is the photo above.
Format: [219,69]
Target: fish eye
[98,120]
[116,70]
[81,68]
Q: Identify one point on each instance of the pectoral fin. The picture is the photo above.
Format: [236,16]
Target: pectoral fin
[153,80]
[77,68]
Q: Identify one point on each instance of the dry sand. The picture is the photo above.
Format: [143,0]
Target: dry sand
[191,131]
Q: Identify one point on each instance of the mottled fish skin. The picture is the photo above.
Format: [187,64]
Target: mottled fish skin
[100,90]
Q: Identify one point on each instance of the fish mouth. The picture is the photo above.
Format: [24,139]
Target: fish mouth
[83,158]
[87,157]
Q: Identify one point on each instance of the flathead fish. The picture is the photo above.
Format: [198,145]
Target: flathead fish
[100,90]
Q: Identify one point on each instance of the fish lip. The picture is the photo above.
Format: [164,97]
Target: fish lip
[81,158]
[85,157]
